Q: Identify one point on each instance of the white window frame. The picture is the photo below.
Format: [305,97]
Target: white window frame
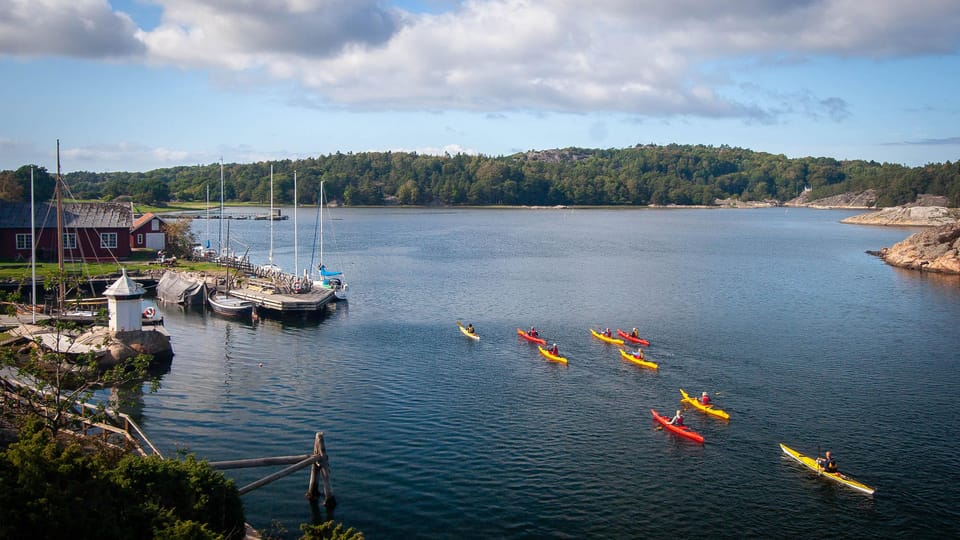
[69,240]
[105,240]
[106,243]
[140,239]
[23,241]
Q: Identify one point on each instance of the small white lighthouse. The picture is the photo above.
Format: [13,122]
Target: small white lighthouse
[124,305]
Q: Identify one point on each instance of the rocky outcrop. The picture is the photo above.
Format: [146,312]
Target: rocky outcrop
[933,250]
[864,199]
[908,216]
[737,203]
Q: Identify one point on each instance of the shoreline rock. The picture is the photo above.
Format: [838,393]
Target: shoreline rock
[933,250]
[908,216]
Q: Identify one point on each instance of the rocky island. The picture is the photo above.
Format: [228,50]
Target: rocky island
[933,250]
[936,249]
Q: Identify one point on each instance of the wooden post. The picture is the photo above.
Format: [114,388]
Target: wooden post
[321,470]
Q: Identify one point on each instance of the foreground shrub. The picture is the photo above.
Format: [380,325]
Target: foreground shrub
[55,489]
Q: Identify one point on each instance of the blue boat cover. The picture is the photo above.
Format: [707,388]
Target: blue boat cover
[328,273]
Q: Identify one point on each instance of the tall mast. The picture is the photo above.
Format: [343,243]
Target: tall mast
[208,216]
[220,252]
[271,214]
[296,256]
[321,225]
[33,252]
[61,298]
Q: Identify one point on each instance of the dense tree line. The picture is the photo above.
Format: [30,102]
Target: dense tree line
[640,175]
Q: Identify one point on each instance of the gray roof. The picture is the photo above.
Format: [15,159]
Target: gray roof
[75,215]
[124,286]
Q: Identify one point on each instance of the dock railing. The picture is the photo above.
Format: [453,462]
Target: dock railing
[90,419]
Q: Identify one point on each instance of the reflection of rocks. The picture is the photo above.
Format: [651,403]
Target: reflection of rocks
[908,216]
[933,250]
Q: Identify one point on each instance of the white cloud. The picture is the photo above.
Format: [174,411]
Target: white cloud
[246,34]
[451,149]
[116,156]
[644,57]
[78,28]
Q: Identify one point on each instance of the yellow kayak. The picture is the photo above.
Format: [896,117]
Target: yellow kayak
[709,409]
[549,356]
[602,337]
[811,464]
[637,361]
[469,334]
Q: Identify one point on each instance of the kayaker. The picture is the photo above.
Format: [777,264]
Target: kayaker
[705,399]
[638,354]
[677,419]
[533,332]
[470,328]
[635,333]
[554,350]
[827,463]
[607,333]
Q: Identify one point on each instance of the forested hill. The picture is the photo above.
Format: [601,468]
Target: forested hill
[641,175]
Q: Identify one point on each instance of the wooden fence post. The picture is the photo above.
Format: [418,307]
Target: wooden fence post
[321,470]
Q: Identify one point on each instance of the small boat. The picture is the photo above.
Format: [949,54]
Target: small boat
[229,306]
[638,361]
[530,338]
[683,431]
[552,357]
[469,334]
[607,339]
[709,409]
[811,464]
[631,339]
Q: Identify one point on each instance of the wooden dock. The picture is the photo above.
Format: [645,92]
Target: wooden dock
[266,298]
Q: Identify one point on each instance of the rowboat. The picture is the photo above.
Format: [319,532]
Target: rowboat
[637,361]
[229,306]
[631,339]
[709,409]
[530,338]
[683,431]
[602,337]
[469,334]
[811,464]
[552,357]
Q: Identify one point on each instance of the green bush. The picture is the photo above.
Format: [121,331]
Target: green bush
[52,489]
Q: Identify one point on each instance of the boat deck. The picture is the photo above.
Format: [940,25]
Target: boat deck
[285,303]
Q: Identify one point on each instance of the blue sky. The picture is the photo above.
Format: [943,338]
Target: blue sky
[136,85]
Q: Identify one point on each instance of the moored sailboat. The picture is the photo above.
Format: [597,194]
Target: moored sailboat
[328,279]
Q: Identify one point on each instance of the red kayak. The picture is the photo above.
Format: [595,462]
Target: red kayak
[631,339]
[683,431]
[530,338]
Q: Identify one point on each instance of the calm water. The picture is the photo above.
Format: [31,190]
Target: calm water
[803,338]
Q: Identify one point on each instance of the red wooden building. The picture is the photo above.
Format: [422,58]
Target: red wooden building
[148,231]
[91,231]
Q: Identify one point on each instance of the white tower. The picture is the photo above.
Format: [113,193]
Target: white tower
[123,304]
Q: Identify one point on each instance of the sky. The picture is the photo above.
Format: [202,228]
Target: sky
[136,85]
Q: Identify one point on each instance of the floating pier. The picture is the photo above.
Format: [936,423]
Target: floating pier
[267,298]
